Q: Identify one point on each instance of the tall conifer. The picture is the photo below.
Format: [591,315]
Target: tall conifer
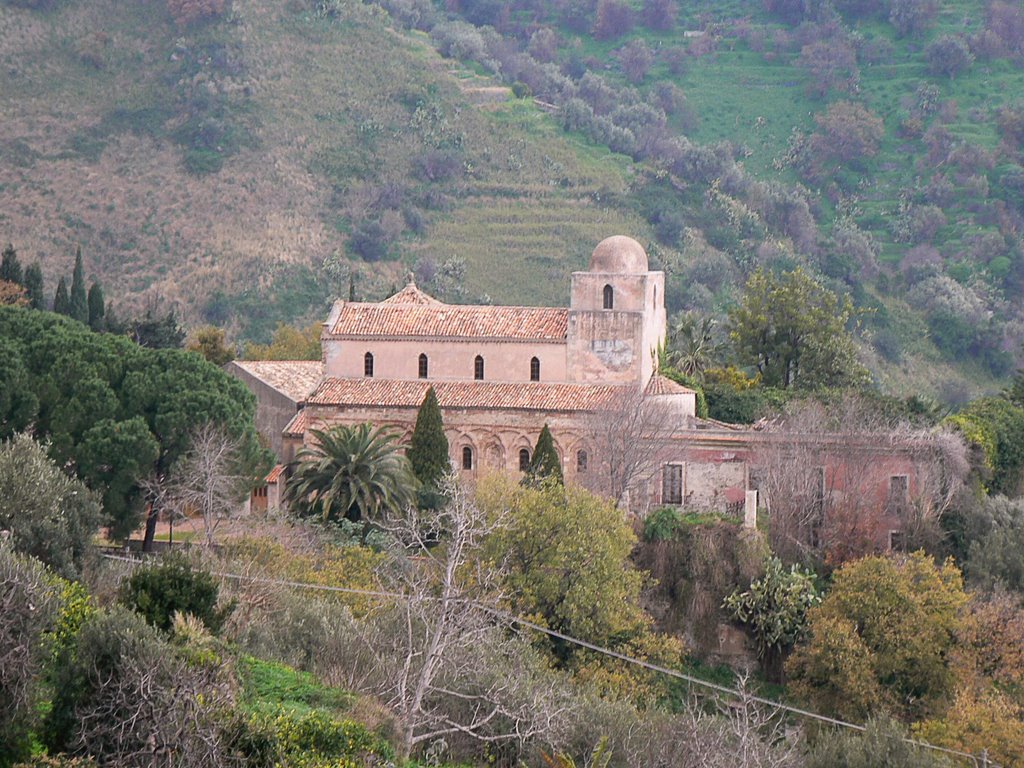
[10,267]
[544,463]
[96,308]
[428,449]
[34,286]
[79,306]
[61,303]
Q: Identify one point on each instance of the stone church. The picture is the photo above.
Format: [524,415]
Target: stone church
[501,373]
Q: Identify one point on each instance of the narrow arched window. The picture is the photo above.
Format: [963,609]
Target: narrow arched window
[423,366]
[368,364]
[534,369]
[524,460]
[609,297]
[478,368]
[581,461]
[467,457]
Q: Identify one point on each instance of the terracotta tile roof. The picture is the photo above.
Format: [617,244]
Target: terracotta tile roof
[463,394]
[297,426]
[275,474]
[411,295]
[412,313]
[293,378]
[662,385]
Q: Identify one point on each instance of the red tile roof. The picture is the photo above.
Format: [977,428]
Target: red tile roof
[464,394]
[662,385]
[293,378]
[297,426]
[412,313]
[413,295]
[275,474]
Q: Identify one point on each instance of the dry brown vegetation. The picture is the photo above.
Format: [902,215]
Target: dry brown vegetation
[320,119]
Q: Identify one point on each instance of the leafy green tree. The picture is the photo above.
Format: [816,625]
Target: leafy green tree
[428,448]
[78,300]
[61,302]
[567,553]
[172,585]
[114,412]
[775,609]
[995,427]
[356,473]
[10,267]
[208,341]
[996,557]
[290,343]
[544,464]
[19,404]
[49,515]
[155,331]
[97,310]
[34,286]
[881,639]
[793,330]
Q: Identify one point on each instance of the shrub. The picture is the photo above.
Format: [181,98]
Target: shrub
[883,743]
[123,695]
[661,524]
[172,585]
[305,740]
[30,604]
[49,515]
[948,55]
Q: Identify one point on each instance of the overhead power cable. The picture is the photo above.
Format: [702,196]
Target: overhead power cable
[979,762]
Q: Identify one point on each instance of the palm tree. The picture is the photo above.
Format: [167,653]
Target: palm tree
[692,346]
[352,472]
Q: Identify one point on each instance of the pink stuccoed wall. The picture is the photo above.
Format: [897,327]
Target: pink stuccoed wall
[448,359]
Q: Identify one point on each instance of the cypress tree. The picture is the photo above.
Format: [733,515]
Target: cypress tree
[10,267]
[61,303]
[79,305]
[96,308]
[428,449]
[34,286]
[544,463]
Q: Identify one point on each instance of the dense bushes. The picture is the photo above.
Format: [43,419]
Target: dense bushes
[169,586]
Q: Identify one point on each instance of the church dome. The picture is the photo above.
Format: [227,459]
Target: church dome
[620,254]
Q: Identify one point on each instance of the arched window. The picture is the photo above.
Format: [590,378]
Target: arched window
[478,368]
[609,297]
[534,369]
[524,460]
[368,364]
[467,457]
[423,366]
[581,461]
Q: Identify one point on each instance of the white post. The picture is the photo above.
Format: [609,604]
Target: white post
[750,510]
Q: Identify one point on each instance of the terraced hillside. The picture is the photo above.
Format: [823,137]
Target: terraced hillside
[241,168]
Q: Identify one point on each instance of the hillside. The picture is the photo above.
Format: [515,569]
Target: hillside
[247,167]
[224,167]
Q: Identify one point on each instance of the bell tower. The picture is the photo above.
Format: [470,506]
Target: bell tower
[616,316]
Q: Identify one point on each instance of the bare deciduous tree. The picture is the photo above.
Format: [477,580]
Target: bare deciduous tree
[631,438]
[449,666]
[834,476]
[204,481]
